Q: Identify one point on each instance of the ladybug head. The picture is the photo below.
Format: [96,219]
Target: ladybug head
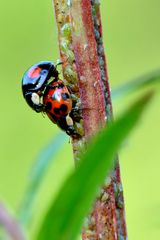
[34,81]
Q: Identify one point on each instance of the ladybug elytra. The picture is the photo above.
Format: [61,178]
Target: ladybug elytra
[58,105]
[34,82]
[45,92]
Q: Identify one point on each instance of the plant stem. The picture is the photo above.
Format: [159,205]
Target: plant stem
[85,73]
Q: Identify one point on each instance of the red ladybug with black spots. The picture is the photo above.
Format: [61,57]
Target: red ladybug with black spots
[45,92]
[58,105]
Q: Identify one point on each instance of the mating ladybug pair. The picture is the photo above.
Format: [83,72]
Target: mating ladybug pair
[45,92]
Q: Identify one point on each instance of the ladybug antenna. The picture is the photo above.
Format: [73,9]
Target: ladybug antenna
[58,62]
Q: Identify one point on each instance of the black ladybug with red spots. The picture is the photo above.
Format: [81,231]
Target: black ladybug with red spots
[45,92]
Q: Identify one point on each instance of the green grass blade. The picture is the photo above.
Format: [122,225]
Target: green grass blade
[65,217]
[41,164]
[149,79]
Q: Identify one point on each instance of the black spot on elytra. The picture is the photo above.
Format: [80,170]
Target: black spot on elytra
[65,96]
[57,110]
[50,86]
[53,117]
[63,108]
[60,85]
[48,106]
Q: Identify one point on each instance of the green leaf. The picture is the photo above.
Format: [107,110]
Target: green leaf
[66,214]
[149,79]
[42,162]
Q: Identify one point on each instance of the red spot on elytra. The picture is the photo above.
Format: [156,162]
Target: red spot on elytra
[34,72]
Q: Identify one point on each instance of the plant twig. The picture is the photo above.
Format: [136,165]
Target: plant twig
[85,72]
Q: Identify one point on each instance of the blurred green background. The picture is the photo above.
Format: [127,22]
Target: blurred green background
[28,34]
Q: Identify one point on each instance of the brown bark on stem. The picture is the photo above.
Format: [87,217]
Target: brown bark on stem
[85,73]
[85,50]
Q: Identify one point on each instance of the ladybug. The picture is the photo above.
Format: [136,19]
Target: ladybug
[58,105]
[45,92]
[34,82]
